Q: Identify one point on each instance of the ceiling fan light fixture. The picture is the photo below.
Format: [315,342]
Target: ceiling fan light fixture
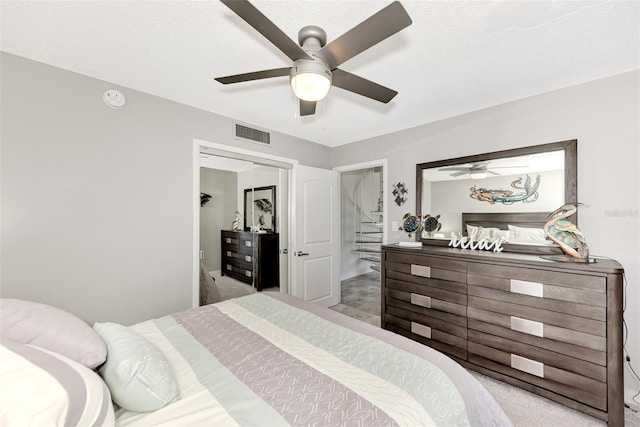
[310,80]
[478,174]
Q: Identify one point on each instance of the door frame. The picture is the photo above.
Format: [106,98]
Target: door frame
[241,154]
[383,163]
[367,165]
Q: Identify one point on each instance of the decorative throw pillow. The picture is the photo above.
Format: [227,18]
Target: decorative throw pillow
[51,328]
[137,373]
[39,387]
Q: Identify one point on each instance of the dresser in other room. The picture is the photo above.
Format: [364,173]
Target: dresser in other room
[552,328]
[251,257]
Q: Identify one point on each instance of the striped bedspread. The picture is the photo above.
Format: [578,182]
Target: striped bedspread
[273,360]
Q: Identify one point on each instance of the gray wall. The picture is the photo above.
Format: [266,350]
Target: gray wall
[218,213]
[97,204]
[602,115]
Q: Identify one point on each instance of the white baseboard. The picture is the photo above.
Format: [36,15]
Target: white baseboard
[216,273]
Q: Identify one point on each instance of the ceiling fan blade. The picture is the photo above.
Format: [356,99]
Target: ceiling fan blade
[361,86]
[307,108]
[493,173]
[464,172]
[256,75]
[370,32]
[264,26]
[455,168]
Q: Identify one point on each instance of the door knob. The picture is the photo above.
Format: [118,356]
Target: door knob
[300,253]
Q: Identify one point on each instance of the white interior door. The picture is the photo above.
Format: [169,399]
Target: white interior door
[316,260]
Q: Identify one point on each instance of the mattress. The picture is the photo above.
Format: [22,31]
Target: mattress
[269,359]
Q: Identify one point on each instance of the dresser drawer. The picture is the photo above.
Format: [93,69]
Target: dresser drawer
[548,283]
[237,256]
[430,293]
[234,270]
[448,338]
[427,267]
[238,242]
[567,376]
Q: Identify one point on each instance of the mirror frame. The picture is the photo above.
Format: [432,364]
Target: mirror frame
[570,148]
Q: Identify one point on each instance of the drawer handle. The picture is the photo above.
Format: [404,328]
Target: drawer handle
[527,326]
[529,366]
[247,258]
[229,254]
[420,270]
[247,273]
[421,300]
[228,240]
[247,243]
[533,289]
[229,267]
[421,330]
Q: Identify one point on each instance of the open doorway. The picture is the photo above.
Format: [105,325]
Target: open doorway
[363,231]
[254,256]
[239,236]
[310,251]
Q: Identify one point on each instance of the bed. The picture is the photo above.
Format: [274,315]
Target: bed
[522,231]
[267,359]
[502,220]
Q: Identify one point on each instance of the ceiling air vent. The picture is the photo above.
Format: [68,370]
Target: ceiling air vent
[251,134]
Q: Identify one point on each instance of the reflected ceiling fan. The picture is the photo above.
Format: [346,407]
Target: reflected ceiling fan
[478,170]
[315,63]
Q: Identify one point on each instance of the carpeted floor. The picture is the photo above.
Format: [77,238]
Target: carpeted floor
[232,288]
[361,300]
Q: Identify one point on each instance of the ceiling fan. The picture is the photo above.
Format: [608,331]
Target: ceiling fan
[478,170]
[315,63]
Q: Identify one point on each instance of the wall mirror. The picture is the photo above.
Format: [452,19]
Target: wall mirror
[512,191]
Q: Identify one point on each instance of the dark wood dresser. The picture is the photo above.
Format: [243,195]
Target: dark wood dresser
[551,328]
[251,257]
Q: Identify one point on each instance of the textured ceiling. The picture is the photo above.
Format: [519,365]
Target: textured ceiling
[456,57]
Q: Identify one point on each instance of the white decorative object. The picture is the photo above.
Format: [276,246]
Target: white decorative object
[485,244]
[410,244]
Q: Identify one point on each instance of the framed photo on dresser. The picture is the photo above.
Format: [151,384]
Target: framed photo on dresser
[260,208]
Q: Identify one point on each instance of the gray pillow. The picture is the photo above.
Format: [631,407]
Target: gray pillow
[137,373]
[209,292]
[51,328]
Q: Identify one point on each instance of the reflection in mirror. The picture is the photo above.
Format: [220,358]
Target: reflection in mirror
[508,193]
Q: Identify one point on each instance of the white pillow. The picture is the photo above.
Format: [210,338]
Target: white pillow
[39,387]
[479,233]
[501,233]
[137,373]
[51,328]
[526,234]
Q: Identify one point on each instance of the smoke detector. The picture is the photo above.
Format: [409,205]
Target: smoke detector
[114,99]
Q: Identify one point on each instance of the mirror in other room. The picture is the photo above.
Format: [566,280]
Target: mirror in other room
[507,193]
